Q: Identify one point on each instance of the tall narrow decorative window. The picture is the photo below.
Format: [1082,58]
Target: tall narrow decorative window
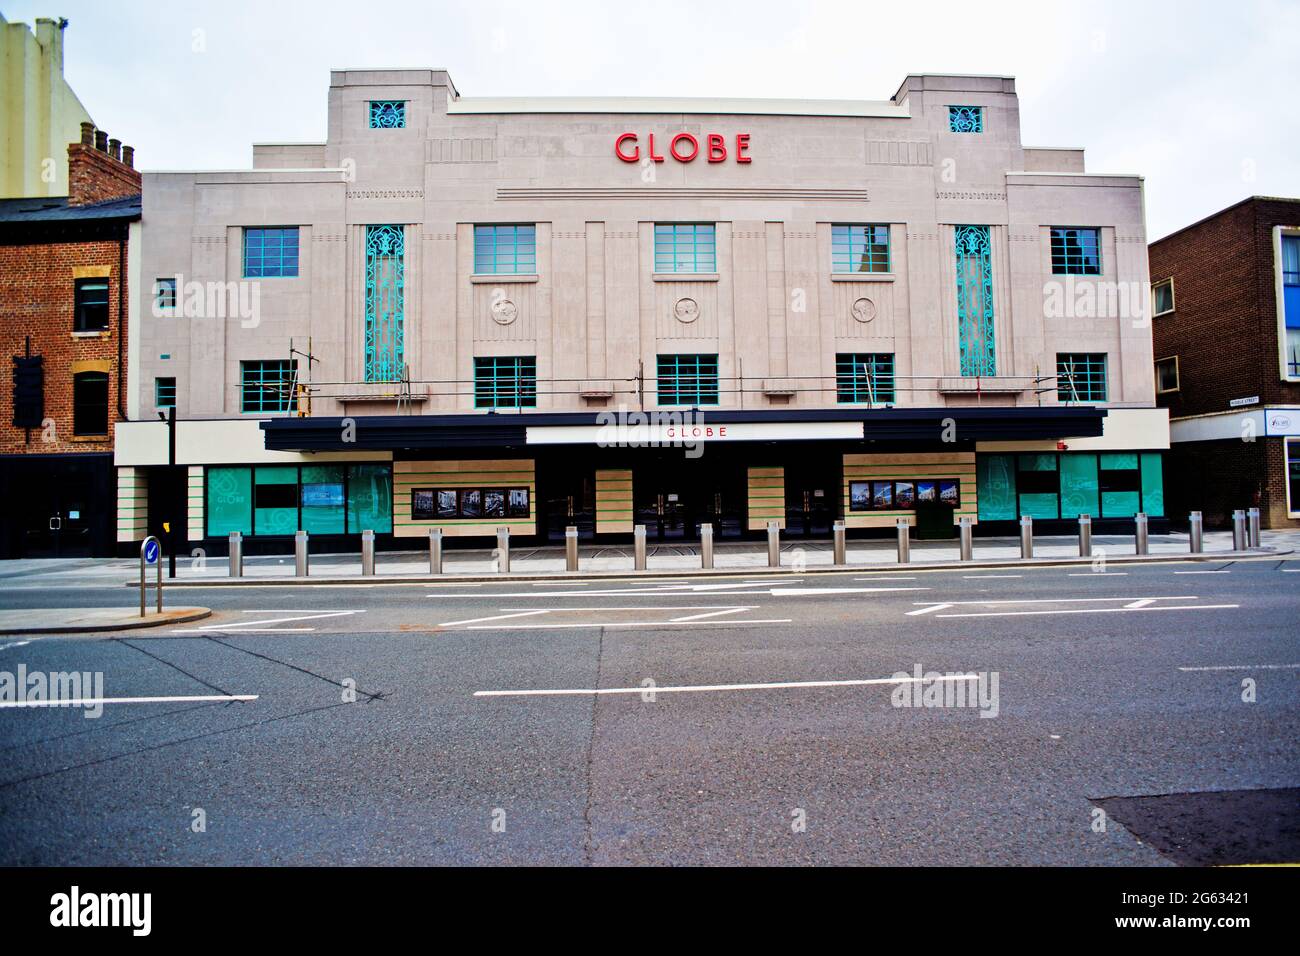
[385,302]
[1081,376]
[975,301]
[688,379]
[1076,251]
[388,114]
[859,248]
[505,250]
[685,247]
[864,378]
[505,381]
[966,119]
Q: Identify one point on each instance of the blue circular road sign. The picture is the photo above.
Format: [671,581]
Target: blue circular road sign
[151,549]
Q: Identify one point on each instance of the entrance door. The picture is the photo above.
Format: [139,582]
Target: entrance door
[674,496]
[665,515]
[571,500]
[811,495]
[57,516]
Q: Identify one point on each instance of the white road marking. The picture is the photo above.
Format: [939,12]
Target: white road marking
[990,577]
[95,701]
[252,626]
[559,584]
[711,590]
[1140,603]
[997,602]
[887,577]
[719,613]
[928,610]
[705,688]
[1291,570]
[552,627]
[495,617]
[5,647]
[1244,667]
[1202,572]
[1098,574]
[1102,610]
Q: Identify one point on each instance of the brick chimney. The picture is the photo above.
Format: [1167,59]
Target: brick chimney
[100,169]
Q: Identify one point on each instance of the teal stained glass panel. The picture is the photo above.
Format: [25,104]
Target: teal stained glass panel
[995,477]
[230,501]
[1079,488]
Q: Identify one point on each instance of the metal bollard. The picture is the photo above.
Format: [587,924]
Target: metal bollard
[904,531]
[1196,532]
[1239,530]
[1085,536]
[435,551]
[1141,543]
[774,544]
[300,554]
[503,550]
[638,548]
[841,555]
[236,554]
[367,554]
[967,530]
[706,546]
[1252,526]
[1026,536]
[570,548]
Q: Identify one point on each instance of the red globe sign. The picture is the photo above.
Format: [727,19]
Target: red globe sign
[685,148]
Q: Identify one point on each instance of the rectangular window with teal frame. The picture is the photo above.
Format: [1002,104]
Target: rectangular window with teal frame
[267,386]
[689,380]
[164,393]
[859,248]
[271,253]
[505,381]
[1076,251]
[864,378]
[685,247]
[1081,377]
[505,250]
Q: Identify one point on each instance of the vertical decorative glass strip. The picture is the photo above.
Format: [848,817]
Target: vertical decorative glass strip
[385,302]
[975,301]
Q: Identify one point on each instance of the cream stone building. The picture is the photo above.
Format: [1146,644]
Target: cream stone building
[472,313]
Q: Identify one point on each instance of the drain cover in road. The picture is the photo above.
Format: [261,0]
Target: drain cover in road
[1222,828]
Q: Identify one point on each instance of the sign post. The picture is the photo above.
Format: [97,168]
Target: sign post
[151,553]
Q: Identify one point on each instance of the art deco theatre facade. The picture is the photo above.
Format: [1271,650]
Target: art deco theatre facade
[471,313]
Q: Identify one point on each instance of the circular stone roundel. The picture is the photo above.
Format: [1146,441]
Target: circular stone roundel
[864,310]
[504,311]
[686,310]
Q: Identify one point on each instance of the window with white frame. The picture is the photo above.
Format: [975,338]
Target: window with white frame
[1167,375]
[1162,296]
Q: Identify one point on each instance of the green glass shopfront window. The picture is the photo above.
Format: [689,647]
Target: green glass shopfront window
[275,500]
[282,499]
[995,477]
[321,498]
[1121,487]
[370,499]
[1080,494]
[230,501]
[1039,486]
[1153,484]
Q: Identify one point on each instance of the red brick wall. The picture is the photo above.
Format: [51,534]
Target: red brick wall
[1224,325]
[95,176]
[36,288]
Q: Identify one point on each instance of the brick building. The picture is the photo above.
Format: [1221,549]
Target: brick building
[64,263]
[1226,305]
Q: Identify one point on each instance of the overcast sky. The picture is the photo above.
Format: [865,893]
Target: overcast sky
[1198,96]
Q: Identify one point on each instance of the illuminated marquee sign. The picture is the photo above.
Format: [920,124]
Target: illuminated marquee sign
[684,147]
